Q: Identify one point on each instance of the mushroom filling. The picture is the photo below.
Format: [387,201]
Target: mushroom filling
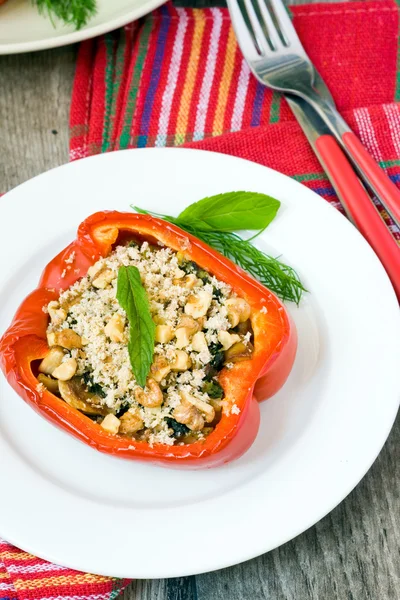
[201,327]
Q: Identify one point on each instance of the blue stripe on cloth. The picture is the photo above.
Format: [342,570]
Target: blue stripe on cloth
[257,106]
[155,77]
[329,191]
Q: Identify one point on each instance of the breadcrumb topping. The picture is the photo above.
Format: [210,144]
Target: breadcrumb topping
[178,292]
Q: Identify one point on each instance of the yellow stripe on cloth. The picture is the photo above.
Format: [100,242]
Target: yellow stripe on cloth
[194,59]
[79,579]
[4,576]
[224,86]
[16,555]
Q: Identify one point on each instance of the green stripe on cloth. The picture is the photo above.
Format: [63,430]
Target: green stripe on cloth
[275,109]
[108,100]
[386,164]
[137,72]
[118,75]
[310,177]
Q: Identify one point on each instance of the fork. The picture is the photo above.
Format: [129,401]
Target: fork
[277,58]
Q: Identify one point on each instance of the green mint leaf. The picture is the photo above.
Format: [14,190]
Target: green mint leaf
[132,296]
[230,212]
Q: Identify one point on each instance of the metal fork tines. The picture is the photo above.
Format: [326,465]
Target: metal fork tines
[275,54]
[277,58]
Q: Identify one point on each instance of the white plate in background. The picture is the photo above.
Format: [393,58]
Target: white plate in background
[318,436]
[23,29]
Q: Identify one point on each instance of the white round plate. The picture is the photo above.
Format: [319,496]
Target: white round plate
[23,29]
[318,437]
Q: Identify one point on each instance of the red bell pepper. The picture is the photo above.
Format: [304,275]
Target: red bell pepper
[275,343]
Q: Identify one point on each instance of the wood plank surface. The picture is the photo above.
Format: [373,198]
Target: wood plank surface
[351,554]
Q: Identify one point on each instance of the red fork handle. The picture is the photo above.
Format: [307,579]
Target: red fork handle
[376,177]
[360,207]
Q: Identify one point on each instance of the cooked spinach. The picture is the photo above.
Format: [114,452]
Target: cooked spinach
[71,320]
[178,428]
[92,387]
[189,267]
[213,389]
[217,294]
[203,275]
[122,409]
[218,356]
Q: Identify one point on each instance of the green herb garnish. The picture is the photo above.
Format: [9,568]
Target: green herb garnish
[214,220]
[71,12]
[230,212]
[133,298]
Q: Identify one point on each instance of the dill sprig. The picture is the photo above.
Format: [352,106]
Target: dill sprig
[271,272]
[275,275]
[71,12]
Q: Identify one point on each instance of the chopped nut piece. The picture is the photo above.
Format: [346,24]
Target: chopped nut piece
[238,310]
[188,415]
[164,334]
[131,422]
[182,361]
[205,408]
[182,335]
[115,328]
[238,352]
[160,368]
[151,396]
[94,269]
[111,424]
[57,314]
[199,343]
[189,281]
[52,360]
[190,324]
[66,370]
[67,338]
[103,279]
[227,339]
[198,305]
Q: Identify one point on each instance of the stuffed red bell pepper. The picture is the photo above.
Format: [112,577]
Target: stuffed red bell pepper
[217,332]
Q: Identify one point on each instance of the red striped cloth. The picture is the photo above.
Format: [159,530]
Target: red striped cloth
[177,77]
[26,577]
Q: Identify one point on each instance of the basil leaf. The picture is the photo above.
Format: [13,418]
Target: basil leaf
[230,212]
[132,296]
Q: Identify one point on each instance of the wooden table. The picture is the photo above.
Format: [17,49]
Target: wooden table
[353,553]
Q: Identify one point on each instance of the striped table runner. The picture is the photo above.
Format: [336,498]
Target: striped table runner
[178,77]
[26,577]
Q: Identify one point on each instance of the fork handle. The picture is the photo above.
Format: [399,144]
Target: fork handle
[368,170]
[376,177]
[359,206]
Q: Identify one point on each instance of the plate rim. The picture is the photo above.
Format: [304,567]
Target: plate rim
[313,520]
[86,33]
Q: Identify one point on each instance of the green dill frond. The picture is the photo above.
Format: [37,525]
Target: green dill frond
[270,271]
[70,12]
